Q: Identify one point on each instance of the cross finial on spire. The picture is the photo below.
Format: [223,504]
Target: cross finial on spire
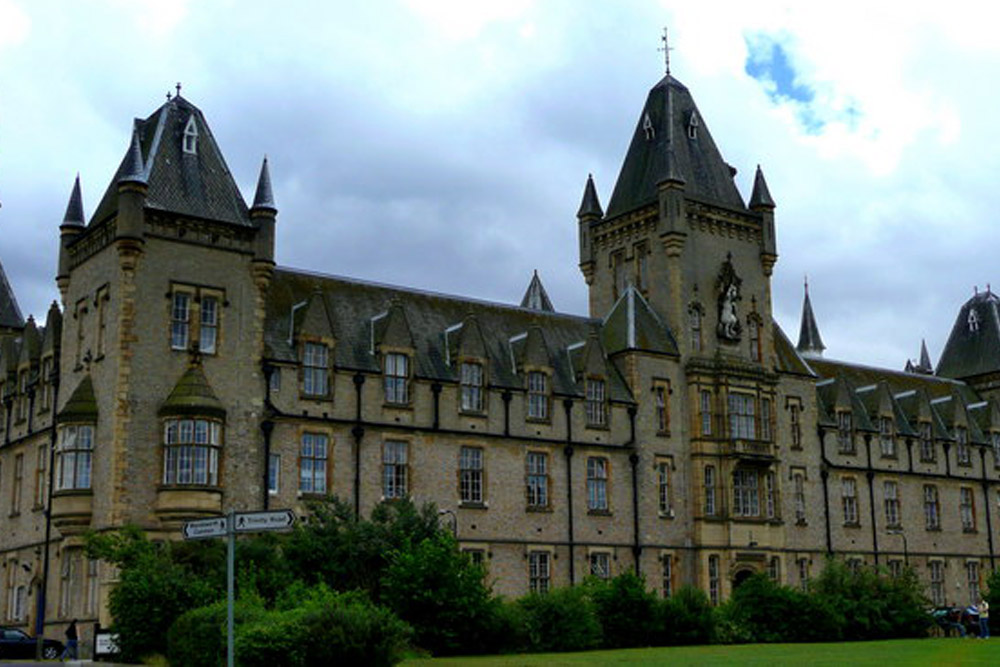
[178,87]
[666,49]
[168,95]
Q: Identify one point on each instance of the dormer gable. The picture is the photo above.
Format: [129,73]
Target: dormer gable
[391,329]
[53,330]
[31,344]
[465,341]
[316,319]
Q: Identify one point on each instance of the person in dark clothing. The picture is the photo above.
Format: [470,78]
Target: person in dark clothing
[71,641]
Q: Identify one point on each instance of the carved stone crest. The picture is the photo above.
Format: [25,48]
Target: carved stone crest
[729,328]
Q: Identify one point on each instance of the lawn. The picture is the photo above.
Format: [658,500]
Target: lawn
[896,652]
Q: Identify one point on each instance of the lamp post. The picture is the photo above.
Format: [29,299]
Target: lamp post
[454,521]
[906,549]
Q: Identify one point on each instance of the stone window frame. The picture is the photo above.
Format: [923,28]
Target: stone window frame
[190,323]
[742,413]
[472,386]
[101,299]
[537,478]
[317,462]
[963,450]
[16,489]
[538,399]
[794,406]
[397,374]
[714,571]
[618,263]
[798,477]
[845,432]
[892,503]
[928,453]
[211,448]
[935,567]
[315,367]
[849,500]
[932,507]
[471,476]
[706,412]
[273,474]
[79,476]
[599,559]
[661,405]
[967,509]
[395,468]
[598,485]
[663,466]
[41,468]
[640,259]
[887,436]
[667,572]
[710,484]
[596,402]
[539,570]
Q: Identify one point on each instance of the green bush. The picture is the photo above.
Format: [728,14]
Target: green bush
[625,609]
[687,617]
[562,620]
[198,637]
[762,611]
[868,604]
[437,590]
[329,628]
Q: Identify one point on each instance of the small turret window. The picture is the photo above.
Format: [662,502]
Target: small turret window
[647,127]
[693,126]
[191,137]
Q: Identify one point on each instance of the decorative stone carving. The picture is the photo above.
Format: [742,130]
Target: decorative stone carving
[729,328]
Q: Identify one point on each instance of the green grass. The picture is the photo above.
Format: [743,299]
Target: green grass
[885,653]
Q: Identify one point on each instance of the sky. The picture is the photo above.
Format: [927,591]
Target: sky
[445,144]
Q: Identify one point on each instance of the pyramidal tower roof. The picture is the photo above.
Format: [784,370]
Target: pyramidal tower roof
[590,204]
[672,142]
[810,343]
[973,348]
[174,152]
[74,209]
[535,296]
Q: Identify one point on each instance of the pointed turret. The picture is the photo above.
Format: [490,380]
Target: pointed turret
[263,214]
[74,210]
[810,343]
[761,196]
[535,296]
[132,190]
[591,205]
[925,358]
[132,169]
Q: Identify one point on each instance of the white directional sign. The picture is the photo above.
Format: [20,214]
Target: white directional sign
[205,528]
[252,522]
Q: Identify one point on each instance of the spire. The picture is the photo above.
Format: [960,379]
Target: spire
[761,197]
[10,314]
[590,205]
[925,358]
[132,170]
[264,197]
[535,296]
[74,210]
[810,343]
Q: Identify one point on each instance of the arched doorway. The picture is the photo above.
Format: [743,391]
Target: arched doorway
[740,576]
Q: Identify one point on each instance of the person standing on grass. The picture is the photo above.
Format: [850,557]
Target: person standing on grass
[71,637]
[984,618]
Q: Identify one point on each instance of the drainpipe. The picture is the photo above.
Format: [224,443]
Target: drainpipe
[568,451]
[436,391]
[505,397]
[986,506]
[266,428]
[358,432]
[42,602]
[633,460]
[871,495]
[824,474]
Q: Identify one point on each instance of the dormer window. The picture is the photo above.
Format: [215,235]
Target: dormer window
[845,432]
[596,406]
[693,126]
[191,137]
[472,387]
[397,379]
[538,396]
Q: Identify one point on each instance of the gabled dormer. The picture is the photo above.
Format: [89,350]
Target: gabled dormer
[315,339]
[392,342]
[468,358]
[531,361]
[592,372]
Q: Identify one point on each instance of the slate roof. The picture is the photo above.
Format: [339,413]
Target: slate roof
[788,357]
[633,325]
[898,381]
[198,185]
[358,310]
[10,313]
[192,395]
[535,297]
[810,343]
[666,149]
[973,348]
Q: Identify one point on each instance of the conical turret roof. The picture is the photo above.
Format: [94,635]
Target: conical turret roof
[590,205]
[761,196]
[74,210]
[264,197]
[810,342]
[535,296]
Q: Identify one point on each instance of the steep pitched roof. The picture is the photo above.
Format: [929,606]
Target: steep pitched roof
[431,320]
[535,297]
[74,209]
[973,348]
[590,204]
[193,395]
[671,141]
[10,314]
[810,343]
[898,381]
[633,325]
[198,184]
[761,196]
[82,403]
[788,357]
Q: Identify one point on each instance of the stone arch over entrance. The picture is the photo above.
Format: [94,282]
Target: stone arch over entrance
[742,574]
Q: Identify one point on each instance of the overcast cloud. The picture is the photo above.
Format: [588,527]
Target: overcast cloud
[444,144]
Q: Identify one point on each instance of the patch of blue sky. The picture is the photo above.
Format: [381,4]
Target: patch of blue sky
[768,62]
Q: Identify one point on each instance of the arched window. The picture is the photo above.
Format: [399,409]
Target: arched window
[191,136]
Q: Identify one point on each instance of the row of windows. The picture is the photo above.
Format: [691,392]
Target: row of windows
[754,493]
[315,374]
[887,439]
[749,417]
[21,393]
[892,503]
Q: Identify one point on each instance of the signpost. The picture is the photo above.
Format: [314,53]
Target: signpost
[228,526]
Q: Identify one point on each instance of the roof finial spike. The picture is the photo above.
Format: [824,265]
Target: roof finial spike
[178,87]
[666,49]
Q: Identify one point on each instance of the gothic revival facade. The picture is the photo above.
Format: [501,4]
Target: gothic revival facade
[675,431]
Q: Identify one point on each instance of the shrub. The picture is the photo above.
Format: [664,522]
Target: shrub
[436,589]
[761,611]
[625,609]
[329,628]
[198,637]
[686,618]
[561,620]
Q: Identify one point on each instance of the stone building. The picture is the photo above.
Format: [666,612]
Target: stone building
[675,431]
